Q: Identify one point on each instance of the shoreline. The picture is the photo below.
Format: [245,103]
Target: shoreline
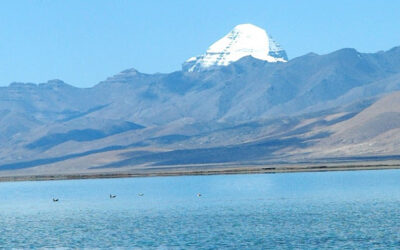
[213,171]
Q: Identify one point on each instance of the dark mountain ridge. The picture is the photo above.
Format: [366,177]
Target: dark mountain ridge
[286,101]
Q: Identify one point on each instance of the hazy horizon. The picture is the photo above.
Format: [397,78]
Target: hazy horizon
[83,43]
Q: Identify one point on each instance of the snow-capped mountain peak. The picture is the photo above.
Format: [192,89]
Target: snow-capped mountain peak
[243,40]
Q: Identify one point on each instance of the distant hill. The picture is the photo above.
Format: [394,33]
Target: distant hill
[315,106]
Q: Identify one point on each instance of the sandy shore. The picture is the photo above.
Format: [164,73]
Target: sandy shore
[182,171]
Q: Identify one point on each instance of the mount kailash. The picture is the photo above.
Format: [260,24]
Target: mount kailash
[240,103]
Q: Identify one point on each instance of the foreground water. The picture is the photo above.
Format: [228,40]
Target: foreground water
[303,210]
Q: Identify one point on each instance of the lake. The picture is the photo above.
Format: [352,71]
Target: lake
[353,209]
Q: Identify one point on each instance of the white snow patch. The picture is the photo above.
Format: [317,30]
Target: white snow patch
[243,40]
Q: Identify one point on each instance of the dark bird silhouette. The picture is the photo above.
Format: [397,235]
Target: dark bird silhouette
[55,199]
[112,196]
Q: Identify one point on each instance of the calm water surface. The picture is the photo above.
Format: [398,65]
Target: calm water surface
[281,211]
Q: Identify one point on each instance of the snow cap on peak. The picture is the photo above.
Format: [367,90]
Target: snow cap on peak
[243,40]
[247,27]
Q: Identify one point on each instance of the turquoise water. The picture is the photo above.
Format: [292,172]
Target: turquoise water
[281,211]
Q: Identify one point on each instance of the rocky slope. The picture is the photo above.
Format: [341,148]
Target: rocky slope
[250,110]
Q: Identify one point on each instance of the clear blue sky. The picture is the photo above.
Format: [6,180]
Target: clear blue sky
[84,42]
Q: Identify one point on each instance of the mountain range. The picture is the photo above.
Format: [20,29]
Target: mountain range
[241,103]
